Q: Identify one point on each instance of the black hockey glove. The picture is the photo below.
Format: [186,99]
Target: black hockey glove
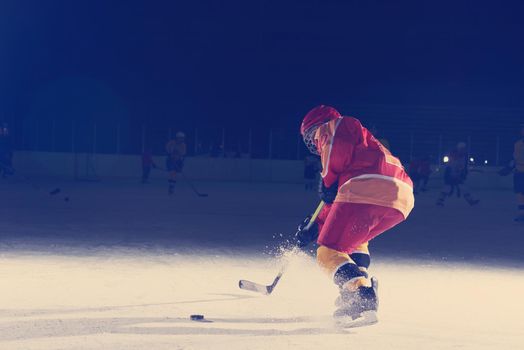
[327,194]
[305,236]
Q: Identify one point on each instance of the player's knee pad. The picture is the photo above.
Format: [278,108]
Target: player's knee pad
[361,256]
[362,260]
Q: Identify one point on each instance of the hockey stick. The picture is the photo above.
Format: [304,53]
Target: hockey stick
[200,194]
[268,289]
[260,288]
[24,178]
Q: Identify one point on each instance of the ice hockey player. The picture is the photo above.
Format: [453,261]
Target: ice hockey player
[455,175]
[6,152]
[518,176]
[147,164]
[311,172]
[366,191]
[176,151]
[419,170]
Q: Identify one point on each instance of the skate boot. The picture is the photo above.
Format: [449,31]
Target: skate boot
[471,201]
[520,218]
[441,199]
[356,308]
[171,188]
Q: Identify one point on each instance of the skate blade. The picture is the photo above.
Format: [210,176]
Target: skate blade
[367,318]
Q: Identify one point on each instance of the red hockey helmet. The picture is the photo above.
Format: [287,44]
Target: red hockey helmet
[317,116]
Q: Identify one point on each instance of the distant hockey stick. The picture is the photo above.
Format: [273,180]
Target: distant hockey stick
[12,172]
[268,289]
[198,193]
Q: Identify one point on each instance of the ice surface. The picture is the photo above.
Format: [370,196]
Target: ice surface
[122,266]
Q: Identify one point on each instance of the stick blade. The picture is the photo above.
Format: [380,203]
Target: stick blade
[367,318]
[254,287]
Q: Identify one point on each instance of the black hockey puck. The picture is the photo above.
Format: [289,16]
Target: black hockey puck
[66,199]
[196,317]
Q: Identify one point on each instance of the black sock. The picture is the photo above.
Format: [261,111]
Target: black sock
[346,273]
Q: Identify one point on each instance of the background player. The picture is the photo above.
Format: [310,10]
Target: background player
[455,175]
[176,151]
[6,151]
[419,171]
[366,192]
[147,164]
[311,172]
[518,176]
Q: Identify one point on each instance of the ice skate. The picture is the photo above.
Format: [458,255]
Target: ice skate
[171,187]
[441,199]
[471,201]
[357,308]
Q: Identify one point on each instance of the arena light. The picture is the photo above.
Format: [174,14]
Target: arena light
[472,160]
[485,162]
[445,159]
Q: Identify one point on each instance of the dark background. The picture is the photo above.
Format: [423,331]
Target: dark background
[453,68]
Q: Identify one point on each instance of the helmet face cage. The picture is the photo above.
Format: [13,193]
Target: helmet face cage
[309,140]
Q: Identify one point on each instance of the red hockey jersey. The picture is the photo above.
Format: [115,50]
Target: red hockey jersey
[366,171]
